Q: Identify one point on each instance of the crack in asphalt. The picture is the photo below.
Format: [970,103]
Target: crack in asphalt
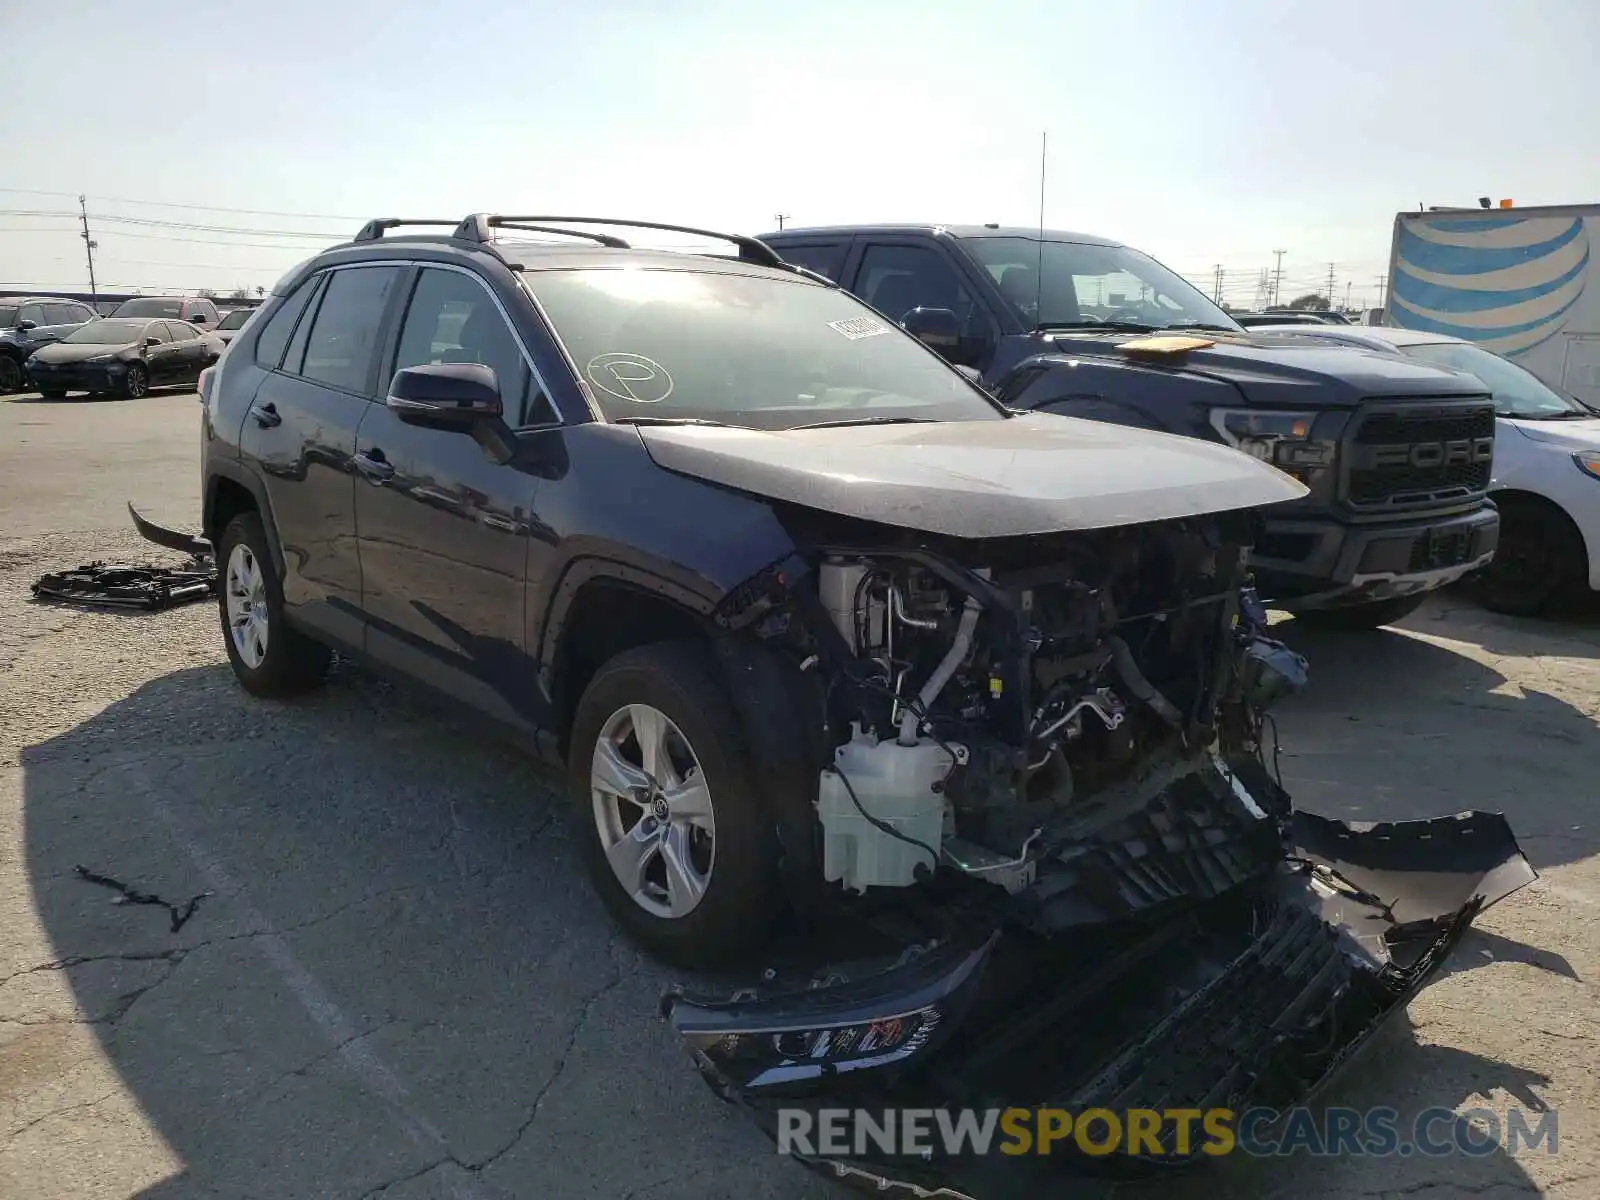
[56,1112]
[584,1010]
[122,1004]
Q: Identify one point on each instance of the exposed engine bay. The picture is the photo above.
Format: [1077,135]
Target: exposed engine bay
[977,712]
[1056,753]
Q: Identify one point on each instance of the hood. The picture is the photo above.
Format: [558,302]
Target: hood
[1030,474]
[1275,370]
[1574,435]
[62,353]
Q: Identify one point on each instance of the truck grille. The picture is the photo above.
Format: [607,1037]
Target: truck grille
[1420,455]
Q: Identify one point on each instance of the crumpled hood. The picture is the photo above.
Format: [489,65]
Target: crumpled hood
[1031,474]
[1575,435]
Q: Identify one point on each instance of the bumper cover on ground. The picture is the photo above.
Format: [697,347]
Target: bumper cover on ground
[1246,986]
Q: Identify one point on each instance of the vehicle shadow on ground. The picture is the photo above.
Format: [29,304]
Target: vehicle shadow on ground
[1396,726]
[402,981]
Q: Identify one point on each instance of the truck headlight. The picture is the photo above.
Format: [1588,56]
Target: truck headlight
[1588,462]
[1280,438]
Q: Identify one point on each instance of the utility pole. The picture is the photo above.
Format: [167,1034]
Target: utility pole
[1383,283]
[1277,279]
[89,245]
[1216,287]
[1347,295]
[1330,285]
[782,217]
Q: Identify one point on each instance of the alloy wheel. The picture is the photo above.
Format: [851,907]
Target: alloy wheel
[247,606]
[138,382]
[653,811]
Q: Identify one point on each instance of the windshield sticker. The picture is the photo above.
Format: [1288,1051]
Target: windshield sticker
[856,328]
[630,377]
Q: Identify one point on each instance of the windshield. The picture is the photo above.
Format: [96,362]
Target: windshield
[757,351]
[1083,284]
[235,319]
[1517,393]
[8,315]
[108,333]
[149,308]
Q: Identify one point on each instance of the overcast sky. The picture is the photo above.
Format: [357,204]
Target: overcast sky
[1203,133]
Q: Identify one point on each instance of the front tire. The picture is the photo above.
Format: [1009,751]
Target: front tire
[1358,618]
[10,375]
[670,828]
[1539,564]
[268,657]
[136,383]
[53,393]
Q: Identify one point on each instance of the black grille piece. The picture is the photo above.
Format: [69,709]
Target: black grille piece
[1402,459]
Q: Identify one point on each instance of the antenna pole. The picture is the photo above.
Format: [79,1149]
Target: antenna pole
[1038,275]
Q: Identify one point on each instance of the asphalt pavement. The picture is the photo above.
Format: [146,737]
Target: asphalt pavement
[398,982]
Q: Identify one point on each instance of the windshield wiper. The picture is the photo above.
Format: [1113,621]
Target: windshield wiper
[1570,414]
[1203,325]
[669,421]
[842,422]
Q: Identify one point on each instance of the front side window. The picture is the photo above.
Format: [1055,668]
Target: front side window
[344,334]
[34,313]
[761,351]
[108,331]
[1517,393]
[452,319]
[1076,285]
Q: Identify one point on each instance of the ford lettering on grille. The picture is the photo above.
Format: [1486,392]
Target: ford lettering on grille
[1459,452]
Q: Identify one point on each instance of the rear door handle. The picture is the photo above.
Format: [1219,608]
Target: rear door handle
[374,465]
[266,415]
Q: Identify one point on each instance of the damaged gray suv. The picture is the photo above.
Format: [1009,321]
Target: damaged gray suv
[944,723]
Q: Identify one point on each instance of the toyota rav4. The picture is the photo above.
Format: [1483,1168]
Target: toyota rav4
[960,713]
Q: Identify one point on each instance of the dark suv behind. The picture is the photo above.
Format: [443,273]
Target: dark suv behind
[1397,458]
[28,323]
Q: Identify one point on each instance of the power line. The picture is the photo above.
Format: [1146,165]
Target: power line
[249,212]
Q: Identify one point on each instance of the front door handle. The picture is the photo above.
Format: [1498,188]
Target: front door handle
[266,415]
[374,465]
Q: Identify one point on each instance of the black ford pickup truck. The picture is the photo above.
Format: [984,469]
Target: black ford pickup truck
[1397,457]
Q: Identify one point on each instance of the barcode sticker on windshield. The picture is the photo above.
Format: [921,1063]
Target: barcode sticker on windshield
[856,328]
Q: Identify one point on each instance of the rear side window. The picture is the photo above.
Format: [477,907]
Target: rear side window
[182,331]
[825,258]
[344,332]
[275,333]
[62,314]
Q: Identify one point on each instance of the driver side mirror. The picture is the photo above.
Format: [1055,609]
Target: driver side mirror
[445,395]
[936,328]
[27,325]
[152,341]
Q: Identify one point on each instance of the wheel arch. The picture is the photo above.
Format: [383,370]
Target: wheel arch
[230,492]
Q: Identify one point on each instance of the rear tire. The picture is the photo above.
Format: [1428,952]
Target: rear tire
[1540,563]
[1357,618]
[730,896]
[268,657]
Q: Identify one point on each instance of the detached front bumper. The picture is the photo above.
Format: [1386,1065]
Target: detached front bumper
[1324,564]
[1253,995]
